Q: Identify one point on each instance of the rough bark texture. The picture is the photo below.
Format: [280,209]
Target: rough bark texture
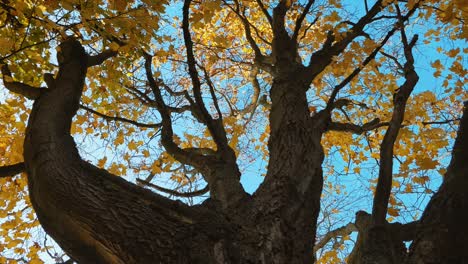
[97,217]
[440,236]
[444,236]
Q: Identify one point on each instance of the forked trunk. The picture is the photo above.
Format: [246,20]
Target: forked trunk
[97,217]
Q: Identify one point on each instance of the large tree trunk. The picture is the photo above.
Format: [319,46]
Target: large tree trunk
[444,233]
[289,199]
[97,217]
[440,236]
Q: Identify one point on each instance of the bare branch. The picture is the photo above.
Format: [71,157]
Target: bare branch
[11,170]
[120,119]
[301,18]
[212,92]
[215,127]
[254,104]
[167,132]
[356,129]
[265,11]
[341,231]
[220,170]
[261,60]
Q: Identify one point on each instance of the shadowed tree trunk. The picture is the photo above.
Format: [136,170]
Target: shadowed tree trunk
[97,217]
[444,230]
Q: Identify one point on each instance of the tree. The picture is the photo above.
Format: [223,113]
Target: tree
[185,88]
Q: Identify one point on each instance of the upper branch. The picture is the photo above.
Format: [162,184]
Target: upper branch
[219,168]
[212,92]
[371,57]
[356,71]
[215,127]
[167,133]
[301,18]
[260,59]
[279,15]
[323,57]
[384,183]
[265,11]
[341,231]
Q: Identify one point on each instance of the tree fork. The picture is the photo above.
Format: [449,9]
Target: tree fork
[97,217]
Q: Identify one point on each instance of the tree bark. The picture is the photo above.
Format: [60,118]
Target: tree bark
[94,216]
[444,234]
[97,217]
[440,236]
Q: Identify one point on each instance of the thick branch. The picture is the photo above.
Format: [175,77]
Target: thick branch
[220,171]
[384,183]
[357,129]
[11,170]
[341,231]
[443,237]
[101,57]
[25,90]
[458,165]
[167,132]
[254,104]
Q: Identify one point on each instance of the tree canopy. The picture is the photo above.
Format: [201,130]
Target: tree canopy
[185,98]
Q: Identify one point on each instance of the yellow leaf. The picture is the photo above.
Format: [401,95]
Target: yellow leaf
[132,145]
[393,212]
[119,140]
[408,188]
[427,163]
[7,78]
[156,167]
[102,162]
[421,180]
[453,52]
[114,46]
